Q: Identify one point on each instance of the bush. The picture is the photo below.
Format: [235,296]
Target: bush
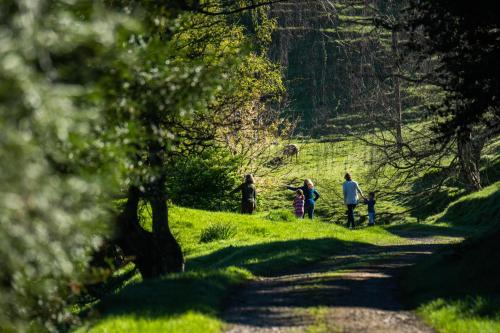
[218,231]
[204,181]
[281,215]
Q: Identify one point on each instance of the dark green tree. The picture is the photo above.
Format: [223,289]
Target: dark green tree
[189,81]
[464,38]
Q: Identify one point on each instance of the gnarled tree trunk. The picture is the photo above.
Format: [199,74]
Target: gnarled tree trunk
[468,156]
[154,253]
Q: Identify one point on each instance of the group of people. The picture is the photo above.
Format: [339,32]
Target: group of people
[306,197]
[350,190]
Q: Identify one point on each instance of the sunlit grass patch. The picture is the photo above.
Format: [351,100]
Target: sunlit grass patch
[187,302]
[461,316]
[185,323]
[217,231]
[281,215]
[321,323]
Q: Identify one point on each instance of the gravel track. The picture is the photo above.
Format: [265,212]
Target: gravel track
[349,294]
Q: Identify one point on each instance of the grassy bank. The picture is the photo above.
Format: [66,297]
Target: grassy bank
[222,251]
[457,290]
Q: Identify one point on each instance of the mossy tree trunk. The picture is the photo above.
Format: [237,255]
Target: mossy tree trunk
[469,159]
[154,253]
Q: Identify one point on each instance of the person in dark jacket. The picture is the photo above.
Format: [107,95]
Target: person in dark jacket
[310,194]
[248,195]
[370,202]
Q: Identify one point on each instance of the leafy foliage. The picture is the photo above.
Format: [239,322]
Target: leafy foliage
[53,166]
[464,37]
[204,180]
[188,82]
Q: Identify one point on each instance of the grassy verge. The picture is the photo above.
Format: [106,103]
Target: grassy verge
[457,290]
[177,303]
[255,245]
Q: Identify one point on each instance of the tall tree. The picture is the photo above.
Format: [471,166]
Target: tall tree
[187,80]
[464,37]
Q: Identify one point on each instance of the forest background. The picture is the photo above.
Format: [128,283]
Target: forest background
[113,111]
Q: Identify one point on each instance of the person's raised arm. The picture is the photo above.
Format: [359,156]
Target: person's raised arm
[292,188]
[360,192]
[236,190]
[316,195]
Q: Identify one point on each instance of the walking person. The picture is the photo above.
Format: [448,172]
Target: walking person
[310,196]
[371,208]
[298,204]
[248,195]
[350,188]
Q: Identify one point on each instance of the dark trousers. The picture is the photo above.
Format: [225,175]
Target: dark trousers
[248,207]
[350,215]
[309,210]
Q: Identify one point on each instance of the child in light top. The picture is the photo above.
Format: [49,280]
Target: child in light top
[370,202]
[298,203]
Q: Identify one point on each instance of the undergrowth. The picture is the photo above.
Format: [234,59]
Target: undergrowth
[217,231]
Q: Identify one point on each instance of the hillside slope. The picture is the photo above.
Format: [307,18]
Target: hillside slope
[458,290]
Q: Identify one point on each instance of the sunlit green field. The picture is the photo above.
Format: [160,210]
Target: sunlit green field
[225,249]
[326,163]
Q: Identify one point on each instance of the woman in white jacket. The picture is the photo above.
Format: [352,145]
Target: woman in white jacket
[350,188]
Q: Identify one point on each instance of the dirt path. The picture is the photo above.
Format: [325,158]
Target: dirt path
[351,294]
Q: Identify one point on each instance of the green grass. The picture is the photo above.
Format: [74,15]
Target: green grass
[457,290]
[459,316]
[321,323]
[217,231]
[264,244]
[326,164]
[478,208]
[177,303]
[260,245]
[224,249]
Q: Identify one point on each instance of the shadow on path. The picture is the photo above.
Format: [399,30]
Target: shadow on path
[357,293]
[422,231]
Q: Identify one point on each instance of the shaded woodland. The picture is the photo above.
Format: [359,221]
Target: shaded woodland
[112,112]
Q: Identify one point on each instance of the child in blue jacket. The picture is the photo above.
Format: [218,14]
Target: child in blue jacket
[370,202]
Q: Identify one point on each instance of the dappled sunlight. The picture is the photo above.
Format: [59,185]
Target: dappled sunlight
[360,140]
